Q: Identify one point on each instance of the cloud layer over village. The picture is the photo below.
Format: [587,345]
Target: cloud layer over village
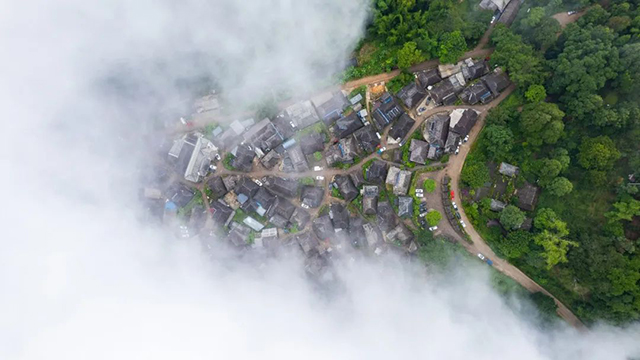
[82,275]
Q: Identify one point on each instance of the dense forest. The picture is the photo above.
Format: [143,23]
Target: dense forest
[405,32]
[573,130]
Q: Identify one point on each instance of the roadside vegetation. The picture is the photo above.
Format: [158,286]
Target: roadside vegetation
[573,130]
[404,33]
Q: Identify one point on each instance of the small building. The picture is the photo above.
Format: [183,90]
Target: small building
[180,194]
[356,99]
[323,227]
[443,93]
[405,206]
[221,213]
[253,223]
[347,125]
[271,159]
[472,70]
[339,217]
[508,169]
[447,70]
[311,143]
[357,178]
[400,129]
[401,234]
[346,187]
[428,77]
[280,213]
[243,158]
[284,125]
[497,205]
[462,121]
[386,217]
[239,234]
[436,131]
[300,218]
[216,186]
[246,188]
[496,81]
[418,151]
[343,152]
[510,12]
[412,95]
[282,186]
[297,158]
[307,243]
[476,93]
[263,136]
[527,197]
[330,106]
[373,235]
[385,111]
[370,205]
[302,114]
[376,173]
[312,196]
[192,155]
[399,179]
[367,139]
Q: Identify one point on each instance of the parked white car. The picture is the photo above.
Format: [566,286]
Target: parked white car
[466,138]
[571,12]
[257,182]
[457,150]
[463,224]
[305,206]
[453,203]
[420,195]
[318,168]
[481,257]
[319,178]
[433,228]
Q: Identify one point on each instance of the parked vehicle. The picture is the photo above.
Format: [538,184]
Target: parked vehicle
[481,257]
[257,182]
[457,150]
[433,228]
[381,150]
[318,168]
[213,167]
[378,135]
[458,215]
[305,206]
[489,262]
[463,224]
[571,12]
[453,203]
[320,178]
[466,138]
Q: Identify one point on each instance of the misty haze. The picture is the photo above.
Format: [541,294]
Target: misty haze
[327,179]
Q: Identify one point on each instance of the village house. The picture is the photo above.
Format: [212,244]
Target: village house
[400,129]
[508,169]
[323,227]
[192,155]
[496,81]
[405,206]
[312,196]
[370,199]
[282,186]
[385,111]
[399,179]
[476,93]
[401,234]
[263,136]
[280,213]
[367,139]
[300,218]
[239,234]
[376,173]
[243,157]
[386,216]
[527,197]
[343,152]
[347,125]
[302,114]
[429,77]
[412,95]
[436,131]
[418,151]
[311,143]
[221,213]
[330,106]
[346,187]
[307,243]
[339,217]
[216,186]
[357,178]
[373,235]
[180,194]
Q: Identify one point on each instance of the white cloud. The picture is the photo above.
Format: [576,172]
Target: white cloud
[81,277]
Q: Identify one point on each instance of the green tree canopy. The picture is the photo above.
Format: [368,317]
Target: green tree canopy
[452,47]
[429,185]
[535,94]
[511,217]
[560,186]
[524,65]
[562,155]
[555,247]
[547,170]
[474,174]
[409,55]
[598,153]
[433,217]
[624,210]
[515,244]
[546,219]
[499,141]
[542,123]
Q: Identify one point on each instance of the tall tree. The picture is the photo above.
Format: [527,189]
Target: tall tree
[499,141]
[524,65]
[452,47]
[511,217]
[560,186]
[598,153]
[409,55]
[542,123]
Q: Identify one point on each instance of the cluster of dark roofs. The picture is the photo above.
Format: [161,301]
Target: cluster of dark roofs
[376,173]
[367,138]
[346,187]
[347,125]
[330,106]
[312,196]
[412,95]
[243,158]
[401,128]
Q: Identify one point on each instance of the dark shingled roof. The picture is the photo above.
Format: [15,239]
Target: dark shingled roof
[246,187]
[475,93]
[442,92]
[476,70]
[509,13]
[429,77]
[300,218]
[386,216]
[402,127]
[385,111]
[436,130]
[323,227]
[307,243]
[311,143]
[217,187]
[367,139]
[283,186]
[418,149]
[405,206]
[347,125]
[377,172]
[264,136]
[370,205]
[283,124]
[243,161]
[339,216]
[527,197]
[496,81]
[220,212]
[312,196]
[346,187]
[180,194]
[466,122]
[357,178]
[331,109]
[411,95]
